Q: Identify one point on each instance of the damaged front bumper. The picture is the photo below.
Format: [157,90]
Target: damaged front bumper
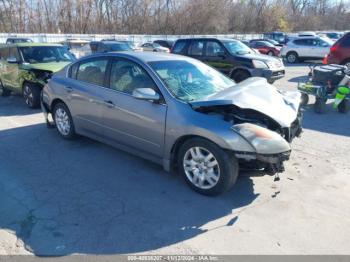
[273,162]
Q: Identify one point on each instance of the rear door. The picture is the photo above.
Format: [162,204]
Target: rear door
[13,70]
[196,49]
[83,93]
[135,123]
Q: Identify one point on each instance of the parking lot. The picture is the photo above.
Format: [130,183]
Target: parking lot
[61,197]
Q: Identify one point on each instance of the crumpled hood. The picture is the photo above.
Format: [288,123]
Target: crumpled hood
[256,94]
[53,66]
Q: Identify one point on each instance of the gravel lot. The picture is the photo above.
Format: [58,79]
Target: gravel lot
[62,197]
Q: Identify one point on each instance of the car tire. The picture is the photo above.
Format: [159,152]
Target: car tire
[240,75]
[292,57]
[304,99]
[270,81]
[344,106]
[31,94]
[63,121]
[270,53]
[346,63]
[208,169]
[4,91]
[320,105]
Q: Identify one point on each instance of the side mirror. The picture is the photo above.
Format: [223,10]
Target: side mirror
[146,94]
[12,60]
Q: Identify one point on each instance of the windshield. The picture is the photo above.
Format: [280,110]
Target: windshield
[272,41]
[190,80]
[156,45]
[333,35]
[237,47]
[118,47]
[46,54]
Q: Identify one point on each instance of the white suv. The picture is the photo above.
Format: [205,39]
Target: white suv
[303,48]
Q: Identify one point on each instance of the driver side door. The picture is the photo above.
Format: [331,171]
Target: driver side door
[138,124]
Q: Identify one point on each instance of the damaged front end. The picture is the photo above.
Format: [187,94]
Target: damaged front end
[269,138]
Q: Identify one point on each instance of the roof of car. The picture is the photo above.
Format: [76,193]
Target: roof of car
[31,44]
[143,56]
[208,38]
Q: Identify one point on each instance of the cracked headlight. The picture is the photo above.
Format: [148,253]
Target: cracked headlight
[262,139]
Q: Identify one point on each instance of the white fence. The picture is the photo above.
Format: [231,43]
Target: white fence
[137,39]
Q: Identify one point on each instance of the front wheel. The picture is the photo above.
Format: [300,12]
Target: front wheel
[292,57]
[344,106]
[240,75]
[270,53]
[31,95]
[63,121]
[207,168]
[304,99]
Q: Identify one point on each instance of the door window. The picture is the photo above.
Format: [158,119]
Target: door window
[179,47]
[126,76]
[213,49]
[14,53]
[196,48]
[92,71]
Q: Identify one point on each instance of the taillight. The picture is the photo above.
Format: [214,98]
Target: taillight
[334,48]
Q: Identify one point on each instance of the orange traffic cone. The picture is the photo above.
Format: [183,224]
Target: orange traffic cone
[325,60]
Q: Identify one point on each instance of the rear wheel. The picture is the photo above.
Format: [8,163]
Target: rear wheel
[320,105]
[63,121]
[240,75]
[344,106]
[207,168]
[4,91]
[304,99]
[292,57]
[31,94]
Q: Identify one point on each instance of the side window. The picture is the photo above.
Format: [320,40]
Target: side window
[323,43]
[4,53]
[196,48]
[300,42]
[126,76]
[179,47]
[213,48]
[92,71]
[14,53]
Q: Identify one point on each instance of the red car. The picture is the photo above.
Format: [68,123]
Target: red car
[340,52]
[265,48]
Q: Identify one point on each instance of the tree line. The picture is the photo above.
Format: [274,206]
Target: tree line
[172,16]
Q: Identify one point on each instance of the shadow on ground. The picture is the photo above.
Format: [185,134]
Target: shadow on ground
[17,106]
[61,197]
[331,121]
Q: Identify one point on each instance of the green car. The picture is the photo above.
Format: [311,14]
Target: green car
[26,67]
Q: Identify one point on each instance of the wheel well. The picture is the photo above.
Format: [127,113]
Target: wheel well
[234,71]
[176,146]
[345,61]
[289,52]
[55,102]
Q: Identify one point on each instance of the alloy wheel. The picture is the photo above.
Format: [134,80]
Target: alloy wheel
[201,167]
[291,58]
[28,95]
[62,121]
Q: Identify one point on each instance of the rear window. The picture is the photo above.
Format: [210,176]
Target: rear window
[345,40]
[179,47]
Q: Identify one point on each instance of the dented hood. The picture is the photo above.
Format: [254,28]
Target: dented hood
[256,94]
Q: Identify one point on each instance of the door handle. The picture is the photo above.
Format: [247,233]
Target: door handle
[109,103]
[68,89]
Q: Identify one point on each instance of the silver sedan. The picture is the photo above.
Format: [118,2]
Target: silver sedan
[175,111]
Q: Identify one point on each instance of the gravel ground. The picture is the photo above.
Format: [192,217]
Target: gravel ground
[62,197]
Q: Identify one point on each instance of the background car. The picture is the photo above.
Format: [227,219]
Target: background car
[164,43]
[175,111]
[265,48]
[303,48]
[78,47]
[280,37]
[109,46]
[26,67]
[154,47]
[15,40]
[340,52]
[231,57]
[274,42]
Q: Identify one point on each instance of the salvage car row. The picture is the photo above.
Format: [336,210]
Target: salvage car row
[171,109]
